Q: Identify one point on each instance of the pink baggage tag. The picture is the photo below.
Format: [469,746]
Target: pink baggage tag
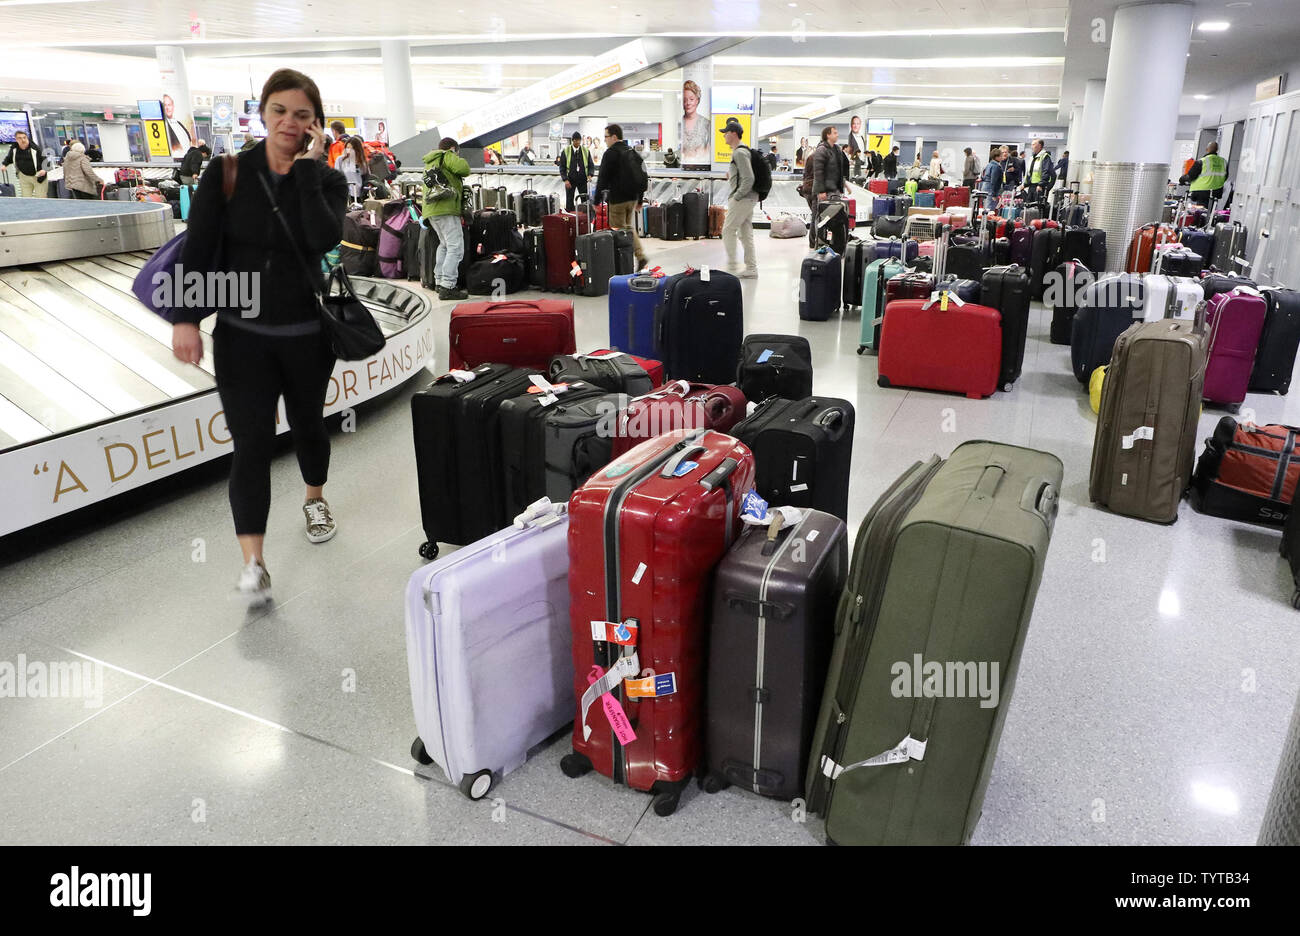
[613,711]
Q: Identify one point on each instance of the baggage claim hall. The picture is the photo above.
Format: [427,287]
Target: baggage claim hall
[731,423]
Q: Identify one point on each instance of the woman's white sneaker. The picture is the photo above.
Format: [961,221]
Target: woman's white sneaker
[320,525]
[255,584]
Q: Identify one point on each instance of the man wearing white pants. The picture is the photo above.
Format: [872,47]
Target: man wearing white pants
[740,203]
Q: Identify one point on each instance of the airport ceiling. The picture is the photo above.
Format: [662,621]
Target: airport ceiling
[939,61]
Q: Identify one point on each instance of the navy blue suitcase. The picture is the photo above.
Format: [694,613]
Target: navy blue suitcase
[819,285]
[632,303]
[883,205]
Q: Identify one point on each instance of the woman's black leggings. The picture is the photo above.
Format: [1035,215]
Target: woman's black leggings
[252,371]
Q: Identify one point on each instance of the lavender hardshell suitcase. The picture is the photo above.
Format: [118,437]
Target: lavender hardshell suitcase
[471,618]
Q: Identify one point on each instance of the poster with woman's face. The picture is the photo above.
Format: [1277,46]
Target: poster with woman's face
[697,127]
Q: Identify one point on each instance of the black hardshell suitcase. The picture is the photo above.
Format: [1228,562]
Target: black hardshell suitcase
[492,230]
[675,221]
[1087,245]
[613,371]
[521,424]
[456,465]
[1006,289]
[1071,276]
[699,327]
[535,257]
[1275,359]
[770,635]
[856,257]
[411,237]
[595,254]
[803,450]
[820,280]
[1099,321]
[1045,257]
[775,365]
[965,261]
[695,210]
[656,224]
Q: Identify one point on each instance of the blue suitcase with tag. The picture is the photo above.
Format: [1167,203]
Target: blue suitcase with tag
[883,205]
[632,302]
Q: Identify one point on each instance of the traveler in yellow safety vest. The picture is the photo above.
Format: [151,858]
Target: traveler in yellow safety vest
[1207,176]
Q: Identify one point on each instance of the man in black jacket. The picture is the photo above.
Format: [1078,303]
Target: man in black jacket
[576,168]
[890,163]
[26,157]
[830,175]
[622,183]
[192,164]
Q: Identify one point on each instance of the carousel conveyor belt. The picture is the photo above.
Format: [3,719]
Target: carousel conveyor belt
[77,347]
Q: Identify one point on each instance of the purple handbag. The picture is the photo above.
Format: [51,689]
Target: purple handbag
[167,258]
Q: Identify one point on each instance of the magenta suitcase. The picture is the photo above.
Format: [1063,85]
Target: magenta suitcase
[1234,320]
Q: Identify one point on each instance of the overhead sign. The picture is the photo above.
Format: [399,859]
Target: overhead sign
[811,111]
[728,103]
[155,133]
[601,70]
[60,475]
[1269,89]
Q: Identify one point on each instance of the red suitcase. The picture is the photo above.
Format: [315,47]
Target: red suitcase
[519,332]
[878,186]
[678,405]
[645,534]
[559,235]
[958,349]
[955,196]
[851,209]
[602,218]
[1043,224]
[909,286]
[1234,321]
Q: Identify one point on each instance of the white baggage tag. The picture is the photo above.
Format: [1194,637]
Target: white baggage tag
[704,273]
[907,749]
[461,376]
[640,571]
[1141,432]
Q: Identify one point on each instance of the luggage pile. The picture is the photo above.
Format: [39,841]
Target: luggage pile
[681,584]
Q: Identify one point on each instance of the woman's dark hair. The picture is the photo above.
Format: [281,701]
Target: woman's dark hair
[359,151]
[288,79]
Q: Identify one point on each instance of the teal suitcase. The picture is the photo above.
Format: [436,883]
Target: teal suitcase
[873,299]
[929,633]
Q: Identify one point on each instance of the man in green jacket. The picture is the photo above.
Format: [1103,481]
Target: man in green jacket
[1207,176]
[444,171]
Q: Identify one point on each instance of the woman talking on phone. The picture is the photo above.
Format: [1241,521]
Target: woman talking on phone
[274,346]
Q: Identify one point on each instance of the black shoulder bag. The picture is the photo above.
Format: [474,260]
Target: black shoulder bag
[352,330]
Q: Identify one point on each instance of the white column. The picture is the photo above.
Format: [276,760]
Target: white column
[1094,94]
[1148,58]
[670,117]
[1072,137]
[399,89]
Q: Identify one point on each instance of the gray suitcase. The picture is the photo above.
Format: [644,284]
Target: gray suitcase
[1229,244]
[596,255]
[945,570]
[770,636]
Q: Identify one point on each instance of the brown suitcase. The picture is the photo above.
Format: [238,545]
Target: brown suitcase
[1144,448]
[717,217]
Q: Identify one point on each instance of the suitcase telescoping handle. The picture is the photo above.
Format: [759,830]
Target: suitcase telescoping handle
[718,476]
[737,601]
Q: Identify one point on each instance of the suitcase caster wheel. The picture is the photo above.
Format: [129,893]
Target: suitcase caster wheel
[665,804]
[476,785]
[862,348]
[712,783]
[575,765]
[419,754]
[429,550]
[1295,600]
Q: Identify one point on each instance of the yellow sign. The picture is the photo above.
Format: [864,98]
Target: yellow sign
[155,131]
[721,151]
[880,143]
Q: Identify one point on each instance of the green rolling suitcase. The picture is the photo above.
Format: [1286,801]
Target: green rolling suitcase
[873,299]
[929,632]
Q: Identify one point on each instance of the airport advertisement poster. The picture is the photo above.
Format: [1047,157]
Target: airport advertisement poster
[57,476]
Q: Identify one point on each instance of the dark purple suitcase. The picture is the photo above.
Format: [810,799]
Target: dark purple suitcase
[1022,247]
[770,639]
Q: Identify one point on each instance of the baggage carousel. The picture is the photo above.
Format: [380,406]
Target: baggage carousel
[92,402]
